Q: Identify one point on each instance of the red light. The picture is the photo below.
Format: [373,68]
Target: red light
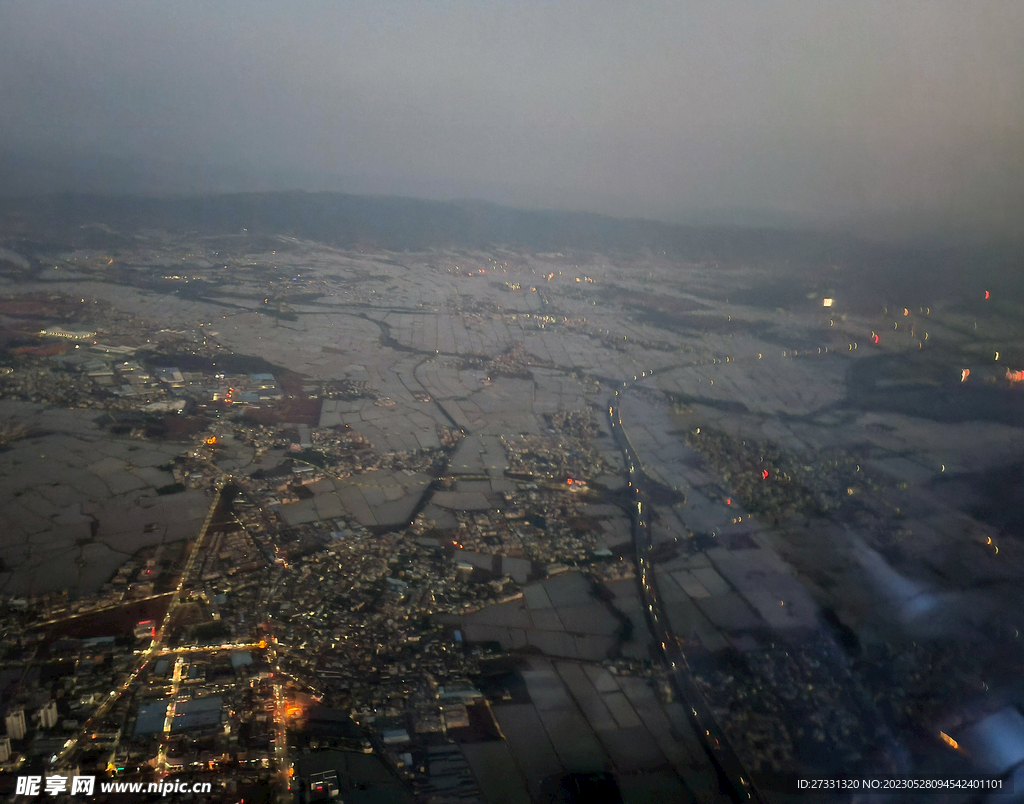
[986,294]
[728,501]
[875,339]
[569,481]
[764,474]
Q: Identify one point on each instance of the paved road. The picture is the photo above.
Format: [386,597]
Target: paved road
[734,780]
[155,647]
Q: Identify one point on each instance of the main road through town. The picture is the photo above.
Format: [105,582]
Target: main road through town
[734,780]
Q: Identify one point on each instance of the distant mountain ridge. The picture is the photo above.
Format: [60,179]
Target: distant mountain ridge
[399,224]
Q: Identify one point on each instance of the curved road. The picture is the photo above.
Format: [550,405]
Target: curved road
[734,780]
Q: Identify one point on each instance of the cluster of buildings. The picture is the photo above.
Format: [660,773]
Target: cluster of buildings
[776,486]
[489,532]
[513,362]
[249,659]
[201,711]
[46,701]
[41,379]
[770,702]
[117,364]
[121,378]
[349,453]
[537,527]
[553,457]
[354,619]
[287,641]
[553,527]
[576,423]
[348,389]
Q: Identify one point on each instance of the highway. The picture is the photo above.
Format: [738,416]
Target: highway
[734,780]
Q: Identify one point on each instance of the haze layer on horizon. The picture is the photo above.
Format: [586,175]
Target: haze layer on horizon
[892,119]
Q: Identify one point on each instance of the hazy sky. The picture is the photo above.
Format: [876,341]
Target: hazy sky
[832,111]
